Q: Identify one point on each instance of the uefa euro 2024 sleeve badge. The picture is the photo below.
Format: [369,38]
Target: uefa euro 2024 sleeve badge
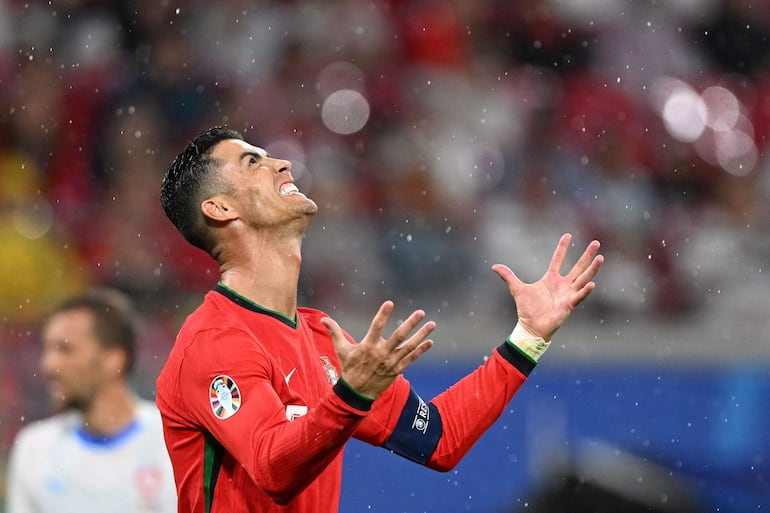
[225,396]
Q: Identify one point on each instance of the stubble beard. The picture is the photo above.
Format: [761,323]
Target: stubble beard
[68,402]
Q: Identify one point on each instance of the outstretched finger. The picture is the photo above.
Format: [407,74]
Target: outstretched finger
[416,339]
[377,326]
[341,344]
[509,277]
[588,274]
[401,333]
[584,261]
[582,293]
[560,253]
[412,355]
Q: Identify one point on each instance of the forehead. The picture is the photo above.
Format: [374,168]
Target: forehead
[235,149]
[71,325]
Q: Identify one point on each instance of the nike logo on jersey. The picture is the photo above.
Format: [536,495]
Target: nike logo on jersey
[289,375]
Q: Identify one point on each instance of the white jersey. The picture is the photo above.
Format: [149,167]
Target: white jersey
[57,467]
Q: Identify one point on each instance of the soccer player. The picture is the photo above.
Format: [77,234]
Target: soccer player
[259,396]
[104,451]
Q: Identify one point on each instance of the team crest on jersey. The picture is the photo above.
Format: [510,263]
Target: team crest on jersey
[225,396]
[149,481]
[329,370]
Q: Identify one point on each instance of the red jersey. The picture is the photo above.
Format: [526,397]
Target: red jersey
[255,416]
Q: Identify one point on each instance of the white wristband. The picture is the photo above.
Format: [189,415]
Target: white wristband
[533,347]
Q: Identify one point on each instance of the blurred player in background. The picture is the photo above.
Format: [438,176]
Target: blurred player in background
[103,451]
[259,396]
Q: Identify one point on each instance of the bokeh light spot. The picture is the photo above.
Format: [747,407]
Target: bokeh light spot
[345,111]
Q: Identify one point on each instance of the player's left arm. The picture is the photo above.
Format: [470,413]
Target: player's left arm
[439,432]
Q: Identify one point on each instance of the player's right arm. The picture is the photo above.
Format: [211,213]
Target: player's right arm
[282,457]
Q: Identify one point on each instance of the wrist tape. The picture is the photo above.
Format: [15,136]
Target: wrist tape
[533,347]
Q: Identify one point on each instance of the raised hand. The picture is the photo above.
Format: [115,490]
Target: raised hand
[370,366]
[544,305]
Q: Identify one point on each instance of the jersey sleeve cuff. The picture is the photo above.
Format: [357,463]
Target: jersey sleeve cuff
[517,358]
[351,397]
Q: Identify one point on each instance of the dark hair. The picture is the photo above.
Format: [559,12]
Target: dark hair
[115,320]
[188,181]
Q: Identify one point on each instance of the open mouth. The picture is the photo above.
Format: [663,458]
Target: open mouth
[288,189]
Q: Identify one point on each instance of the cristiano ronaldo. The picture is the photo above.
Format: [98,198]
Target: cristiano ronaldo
[259,396]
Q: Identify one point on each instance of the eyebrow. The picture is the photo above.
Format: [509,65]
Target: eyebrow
[253,154]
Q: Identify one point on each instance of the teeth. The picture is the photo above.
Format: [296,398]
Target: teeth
[288,188]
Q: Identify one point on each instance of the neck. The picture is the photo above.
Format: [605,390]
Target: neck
[111,411]
[266,271]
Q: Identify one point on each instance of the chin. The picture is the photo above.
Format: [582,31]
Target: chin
[62,403]
[312,205]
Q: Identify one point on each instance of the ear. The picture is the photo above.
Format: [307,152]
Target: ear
[218,209]
[116,360]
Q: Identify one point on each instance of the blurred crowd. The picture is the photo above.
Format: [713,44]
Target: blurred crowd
[437,137]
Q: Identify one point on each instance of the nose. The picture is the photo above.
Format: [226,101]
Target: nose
[49,363]
[282,166]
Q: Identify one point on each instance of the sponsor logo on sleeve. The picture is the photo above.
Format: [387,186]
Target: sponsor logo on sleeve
[421,418]
[294,411]
[225,396]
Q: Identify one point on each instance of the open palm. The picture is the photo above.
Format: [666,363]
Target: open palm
[544,305]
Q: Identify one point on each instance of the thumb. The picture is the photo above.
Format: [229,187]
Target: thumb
[509,277]
[341,344]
